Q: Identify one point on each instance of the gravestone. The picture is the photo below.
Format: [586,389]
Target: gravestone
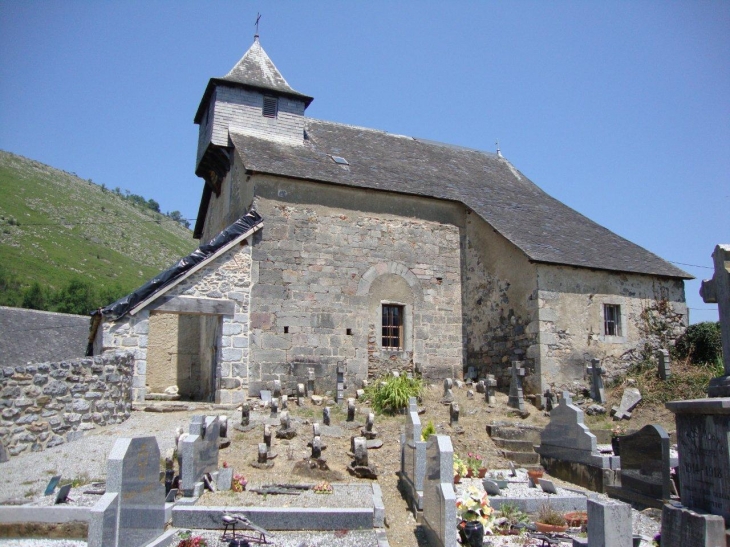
[199,451]
[284,402]
[453,413]
[265,396]
[481,387]
[274,407]
[263,456]
[368,432]
[361,466]
[547,486]
[717,290]
[549,400]
[286,430]
[132,512]
[567,437]
[171,495]
[609,524]
[448,396]
[516,395]
[225,478]
[316,430]
[471,373]
[595,375]
[687,528]
[300,394]
[512,470]
[490,394]
[310,381]
[267,436]
[491,487]
[350,410]
[645,465]
[630,398]
[276,391]
[665,364]
[413,458]
[245,414]
[316,447]
[326,417]
[439,498]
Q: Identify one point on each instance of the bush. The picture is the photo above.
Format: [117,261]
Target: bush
[701,342]
[392,394]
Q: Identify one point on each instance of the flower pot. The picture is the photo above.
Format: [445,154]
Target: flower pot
[471,532]
[469,474]
[550,528]
[535,474]
[457,478]
[482,472]
[576,519]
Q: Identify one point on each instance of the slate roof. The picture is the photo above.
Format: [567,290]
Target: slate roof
[542,227]
[254,69]
[40,336]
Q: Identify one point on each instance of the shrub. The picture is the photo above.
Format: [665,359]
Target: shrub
[548,515]
[701,342]
[427,431]
[392,394]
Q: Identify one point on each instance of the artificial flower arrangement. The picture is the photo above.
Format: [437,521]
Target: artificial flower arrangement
[322,488]
[189,540]
[460,467]
[474,505]
[239,482]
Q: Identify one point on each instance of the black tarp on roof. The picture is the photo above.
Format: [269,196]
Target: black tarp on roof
[122,306]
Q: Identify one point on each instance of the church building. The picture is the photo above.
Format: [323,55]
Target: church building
[340,253]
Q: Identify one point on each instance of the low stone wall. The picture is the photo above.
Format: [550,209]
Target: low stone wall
[47,404]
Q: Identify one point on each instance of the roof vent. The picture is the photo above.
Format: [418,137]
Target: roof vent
[340,160]
[270,107]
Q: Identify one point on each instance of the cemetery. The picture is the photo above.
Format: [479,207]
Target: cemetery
[463,464]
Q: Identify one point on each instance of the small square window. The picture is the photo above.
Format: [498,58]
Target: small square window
[271,107]
[612,320]
[392,327]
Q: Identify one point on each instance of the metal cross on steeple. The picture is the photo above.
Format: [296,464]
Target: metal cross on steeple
[258,18]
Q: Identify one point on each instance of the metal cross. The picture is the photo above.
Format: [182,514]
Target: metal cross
[258,17]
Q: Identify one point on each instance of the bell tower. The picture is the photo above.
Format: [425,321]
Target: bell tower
[252,99]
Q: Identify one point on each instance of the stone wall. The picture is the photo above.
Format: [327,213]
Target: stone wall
[571,306]
[224,340]
[47,404]
[325,262]
[500,305]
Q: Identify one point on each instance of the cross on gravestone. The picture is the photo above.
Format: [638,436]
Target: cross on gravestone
[448,394]
[326,415]
[665,364]
[516,396]
[490,395]
[595,372]
[350,410]
[245,414]
[300,394]
[267,436]
[453,413]
[717,291]
[316,447]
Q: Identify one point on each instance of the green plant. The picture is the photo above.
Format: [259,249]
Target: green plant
[474,462]
[460,467]
[391,394]
[547,515]
[511,515]
[701,342]
[427,431]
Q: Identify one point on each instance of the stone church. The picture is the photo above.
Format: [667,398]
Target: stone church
[343,252]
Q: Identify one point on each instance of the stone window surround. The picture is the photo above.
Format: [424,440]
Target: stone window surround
[623,324]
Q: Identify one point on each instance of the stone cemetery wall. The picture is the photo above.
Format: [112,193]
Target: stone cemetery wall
[47,404]
[571,307]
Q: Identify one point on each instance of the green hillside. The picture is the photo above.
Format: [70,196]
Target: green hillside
[62,233]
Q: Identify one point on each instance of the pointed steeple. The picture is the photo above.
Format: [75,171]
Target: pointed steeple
[256,69]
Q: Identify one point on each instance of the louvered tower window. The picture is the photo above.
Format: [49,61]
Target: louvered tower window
[392,326]
[271,106]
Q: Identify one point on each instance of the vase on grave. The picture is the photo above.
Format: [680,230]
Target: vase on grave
[457,478]
[471,532]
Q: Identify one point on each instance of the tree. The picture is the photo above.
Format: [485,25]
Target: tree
[76,297]
[34,297]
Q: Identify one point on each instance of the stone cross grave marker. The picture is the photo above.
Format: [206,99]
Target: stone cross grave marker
[350,409]
[132,511]
[326,415]
[448,394]
[630,398]
[439,498]
[199,451]
[490,395]
[284,402]
[516,396]
[595,373]
[566,429]
[717,291]
[665,364]
[368,432]
[453,413]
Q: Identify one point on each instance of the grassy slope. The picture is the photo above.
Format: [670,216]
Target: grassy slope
[70,227]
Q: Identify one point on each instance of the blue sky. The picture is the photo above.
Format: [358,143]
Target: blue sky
[619,109]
